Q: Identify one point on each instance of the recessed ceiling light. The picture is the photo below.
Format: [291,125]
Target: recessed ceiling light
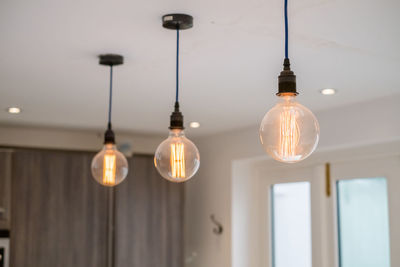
[328,91]
[194,124]
[14,110]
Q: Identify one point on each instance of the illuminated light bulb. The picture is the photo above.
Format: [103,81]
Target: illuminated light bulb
[177,159]
[289,132]
[109,166]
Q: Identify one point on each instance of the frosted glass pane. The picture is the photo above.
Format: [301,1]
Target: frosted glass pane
[291,225]
[363,223]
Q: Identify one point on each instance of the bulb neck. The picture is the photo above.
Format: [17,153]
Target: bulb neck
[287,98]
[176,122]
[286,80]
[176,133]
[109,146]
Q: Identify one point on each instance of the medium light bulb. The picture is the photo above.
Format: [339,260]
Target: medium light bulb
[289,132]
[109,166]
[177,159]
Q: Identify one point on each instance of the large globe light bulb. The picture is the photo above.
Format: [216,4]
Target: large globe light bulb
[177,159]
[289,132]
[109,166]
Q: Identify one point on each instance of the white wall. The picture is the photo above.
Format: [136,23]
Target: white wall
[210,191]
[40,137]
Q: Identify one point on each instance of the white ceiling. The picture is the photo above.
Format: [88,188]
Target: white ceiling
[230,59]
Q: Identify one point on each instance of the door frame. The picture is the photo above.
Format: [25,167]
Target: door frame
[311,174]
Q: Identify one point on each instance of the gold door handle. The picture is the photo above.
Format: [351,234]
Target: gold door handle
[328,179]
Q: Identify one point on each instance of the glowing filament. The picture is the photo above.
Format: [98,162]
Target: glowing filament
[289,134]
[109,168]
[178,160]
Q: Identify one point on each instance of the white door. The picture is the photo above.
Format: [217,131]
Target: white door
[350,220]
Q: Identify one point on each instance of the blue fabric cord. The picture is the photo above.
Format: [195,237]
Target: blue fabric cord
[286,32]
[177,66]
[110,99]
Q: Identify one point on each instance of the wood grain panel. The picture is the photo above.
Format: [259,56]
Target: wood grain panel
[149,218]
[59,214]
[5,189]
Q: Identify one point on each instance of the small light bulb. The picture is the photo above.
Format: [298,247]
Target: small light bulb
[177,159]
[194,124]
[328,91]
[109,166]
[14,110]
[289,132]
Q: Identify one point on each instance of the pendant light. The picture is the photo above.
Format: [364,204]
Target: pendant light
[177,158]
[289,132]
[109,166]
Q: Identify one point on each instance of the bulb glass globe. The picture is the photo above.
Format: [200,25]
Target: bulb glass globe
[289,132]
[109,166]
[177,159]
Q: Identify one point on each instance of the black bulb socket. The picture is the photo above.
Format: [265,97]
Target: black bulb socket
[109,136]
[176,119]
[287,80]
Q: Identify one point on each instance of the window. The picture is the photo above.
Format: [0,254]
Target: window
[363,222]
[291,225]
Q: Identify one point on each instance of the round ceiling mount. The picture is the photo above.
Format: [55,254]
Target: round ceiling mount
[177,21]
[111,60]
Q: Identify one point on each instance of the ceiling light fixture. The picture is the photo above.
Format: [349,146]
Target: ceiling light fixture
[13,110]
[328,91]
[194,124]
[177,159]
[109,166]
[289,132]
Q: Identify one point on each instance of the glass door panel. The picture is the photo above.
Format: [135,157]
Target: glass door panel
[363,223]
[291,224]
[367,202]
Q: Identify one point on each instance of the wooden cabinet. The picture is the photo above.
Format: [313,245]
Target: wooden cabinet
[5,188]
[59,214]
[61,217]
